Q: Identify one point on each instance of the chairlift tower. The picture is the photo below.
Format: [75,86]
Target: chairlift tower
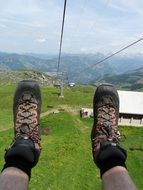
[60,79]
[63,79]
[62,89]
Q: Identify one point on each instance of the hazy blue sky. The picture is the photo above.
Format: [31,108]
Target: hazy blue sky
[90,26]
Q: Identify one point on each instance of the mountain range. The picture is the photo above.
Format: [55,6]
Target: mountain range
[132,80]
[82,68]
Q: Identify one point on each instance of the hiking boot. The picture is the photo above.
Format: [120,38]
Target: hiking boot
[26,111]
[106,111]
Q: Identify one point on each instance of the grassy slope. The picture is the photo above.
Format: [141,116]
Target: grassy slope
[75,97]
[6,95]
[66,161]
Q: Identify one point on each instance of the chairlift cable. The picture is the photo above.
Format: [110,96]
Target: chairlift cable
[77,75]
[61,39]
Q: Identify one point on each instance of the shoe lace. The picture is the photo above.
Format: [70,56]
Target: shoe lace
[106,128]
[26,121]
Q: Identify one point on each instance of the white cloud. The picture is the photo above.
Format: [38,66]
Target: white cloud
[40,40]
[100,25]
[131,6]
[2,25]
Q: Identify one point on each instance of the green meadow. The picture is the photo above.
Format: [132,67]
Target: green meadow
[66,161]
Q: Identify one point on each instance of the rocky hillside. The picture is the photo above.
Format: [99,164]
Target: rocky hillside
[10,77]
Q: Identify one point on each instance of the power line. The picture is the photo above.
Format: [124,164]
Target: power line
[108,57]
[61,39]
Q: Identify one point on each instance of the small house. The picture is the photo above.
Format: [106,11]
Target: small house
[86,112]
[131,108]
